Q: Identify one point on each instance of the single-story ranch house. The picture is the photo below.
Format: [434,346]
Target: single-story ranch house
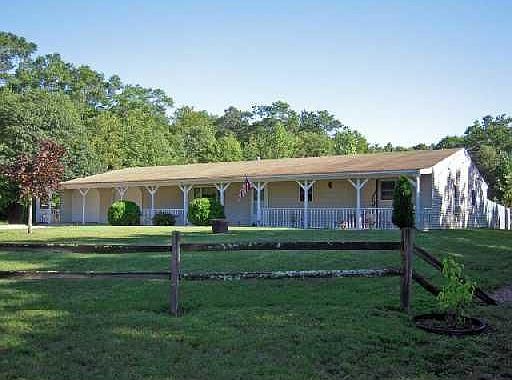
[344,192]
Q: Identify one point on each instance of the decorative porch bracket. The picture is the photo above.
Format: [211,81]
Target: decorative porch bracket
[152,191]
[306,185]
[185,189]
[83,192]
[358,185]
[221,187]
[258,186]
[121,190]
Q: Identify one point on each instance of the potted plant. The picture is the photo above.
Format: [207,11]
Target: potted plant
[206,211]
[454,300]
[218,218]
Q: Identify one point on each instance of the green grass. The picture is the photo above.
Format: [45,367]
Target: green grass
[161,235]
[287,329]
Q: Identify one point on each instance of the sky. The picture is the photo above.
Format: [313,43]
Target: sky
[398,71]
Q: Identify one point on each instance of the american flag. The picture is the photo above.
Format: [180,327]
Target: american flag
[246,186]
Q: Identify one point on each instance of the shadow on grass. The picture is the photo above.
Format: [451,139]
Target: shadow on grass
[199,261]
[276,329]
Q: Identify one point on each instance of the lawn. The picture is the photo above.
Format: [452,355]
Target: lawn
[287,329]
[138,235]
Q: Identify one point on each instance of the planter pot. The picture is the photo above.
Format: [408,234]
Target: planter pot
[436,323]
[219,226]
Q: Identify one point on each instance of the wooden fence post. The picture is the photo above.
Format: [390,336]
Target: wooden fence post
[175,274]
[406,251]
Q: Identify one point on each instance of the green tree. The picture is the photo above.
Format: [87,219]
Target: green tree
[319,122]
[403,209]
[234,122]
[314,144]
[229,149]
[489,142]
[449,142]
[13,51]
[275,143]
[197,132]
[347,141]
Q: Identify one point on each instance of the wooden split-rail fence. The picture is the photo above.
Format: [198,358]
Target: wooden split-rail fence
[406,247]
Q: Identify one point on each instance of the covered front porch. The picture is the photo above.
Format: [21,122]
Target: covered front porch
[354,203]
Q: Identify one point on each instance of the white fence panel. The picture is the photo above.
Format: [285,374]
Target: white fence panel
[147,215]
[329,218]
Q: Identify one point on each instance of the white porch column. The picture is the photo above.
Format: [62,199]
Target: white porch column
[122,191]
[358,185]
[152,191]
[185,189]
[416,184]
[83,192]
[419,213]
[50,216]
[306,185]
[221,187]
[258,186]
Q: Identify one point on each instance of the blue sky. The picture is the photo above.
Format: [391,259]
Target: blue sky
[405,72]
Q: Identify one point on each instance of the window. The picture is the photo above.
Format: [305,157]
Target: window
[310,194]
[205,192]
[387,189]
[473,198]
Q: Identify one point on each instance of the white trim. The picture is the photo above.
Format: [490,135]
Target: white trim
[152,191]
[276,178]
[221,188]
[306,185]
[358,186]
[259,186]
[185,190]
[83,192]
[121,190]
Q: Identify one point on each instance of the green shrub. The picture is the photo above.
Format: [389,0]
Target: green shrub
[124,213]
[164,219]
[403,209]
[202,210]
[457,293]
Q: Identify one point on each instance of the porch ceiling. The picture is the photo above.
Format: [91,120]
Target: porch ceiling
[370,165]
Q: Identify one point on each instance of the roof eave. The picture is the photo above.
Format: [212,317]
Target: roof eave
[275,178]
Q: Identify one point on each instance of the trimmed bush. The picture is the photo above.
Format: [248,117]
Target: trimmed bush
[124,213]
[202,210]
[403,209]
[164,219]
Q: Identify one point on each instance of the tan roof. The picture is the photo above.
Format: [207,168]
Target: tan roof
[275,169]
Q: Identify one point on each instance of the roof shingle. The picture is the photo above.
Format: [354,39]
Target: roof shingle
[268,169]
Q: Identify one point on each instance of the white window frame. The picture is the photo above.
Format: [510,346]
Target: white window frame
[200,190]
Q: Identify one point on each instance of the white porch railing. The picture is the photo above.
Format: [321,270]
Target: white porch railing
[46,216]
[333,218]
[147,215]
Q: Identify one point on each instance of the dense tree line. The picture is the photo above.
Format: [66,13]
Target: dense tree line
[104,124]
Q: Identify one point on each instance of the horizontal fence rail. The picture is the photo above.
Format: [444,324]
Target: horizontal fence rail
[437,264]
[202,276]
[296,246]
[244,246]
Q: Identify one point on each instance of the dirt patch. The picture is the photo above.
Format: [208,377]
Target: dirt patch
[503,295]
